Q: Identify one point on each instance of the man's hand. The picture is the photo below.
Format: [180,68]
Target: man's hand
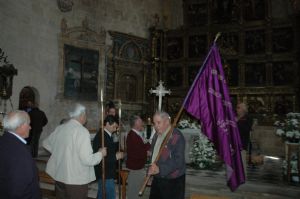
[103,151]
[153,169]
[119,155]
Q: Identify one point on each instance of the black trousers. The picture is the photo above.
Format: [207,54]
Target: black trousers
[163,188]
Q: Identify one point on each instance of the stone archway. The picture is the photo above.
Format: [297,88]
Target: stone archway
[28,93]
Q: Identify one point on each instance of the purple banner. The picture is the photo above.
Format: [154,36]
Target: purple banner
[208,100]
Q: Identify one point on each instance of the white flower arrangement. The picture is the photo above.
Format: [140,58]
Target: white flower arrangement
[288,129]
[203,154]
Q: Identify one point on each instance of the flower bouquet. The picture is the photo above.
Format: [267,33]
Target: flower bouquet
[288,129]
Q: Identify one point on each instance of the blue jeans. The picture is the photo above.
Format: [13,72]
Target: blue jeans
[110,191]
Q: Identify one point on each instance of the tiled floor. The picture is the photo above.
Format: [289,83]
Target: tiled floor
[265,182]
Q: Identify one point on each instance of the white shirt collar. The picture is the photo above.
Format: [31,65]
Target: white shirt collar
[109,133]
[19,137]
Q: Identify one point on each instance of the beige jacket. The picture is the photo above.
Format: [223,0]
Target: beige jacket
[72,160]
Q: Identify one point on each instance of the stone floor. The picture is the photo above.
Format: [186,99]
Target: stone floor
[264,181]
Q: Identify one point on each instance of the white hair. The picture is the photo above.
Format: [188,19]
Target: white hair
[15,119]
[243,106]
[163,115]
[77,111]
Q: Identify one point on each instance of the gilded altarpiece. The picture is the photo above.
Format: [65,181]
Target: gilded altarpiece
[129,73]
[257,47]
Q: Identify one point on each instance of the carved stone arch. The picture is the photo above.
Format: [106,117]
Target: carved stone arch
[131,51]
[82,37]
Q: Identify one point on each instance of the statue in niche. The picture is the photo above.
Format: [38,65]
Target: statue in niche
[283,73]
[174,48]
[197,46]
[254,10]
[283,40]
[255,42]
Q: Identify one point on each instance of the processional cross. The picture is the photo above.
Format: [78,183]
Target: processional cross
[160,91]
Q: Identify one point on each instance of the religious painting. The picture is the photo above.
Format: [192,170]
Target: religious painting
[283,40]
[229,43]
[231,70]
[254,10]
[197,46]
[255,42]
[127,89]
[283,104]
[255,74]
[174,76]
[283,73]
[196,14]
[80,73]
[174,48]
[192,72]
[256,104]
[225,11]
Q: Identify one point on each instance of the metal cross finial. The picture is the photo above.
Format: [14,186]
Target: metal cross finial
[160,91]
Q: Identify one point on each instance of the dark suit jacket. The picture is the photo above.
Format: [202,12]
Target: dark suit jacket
[18,171]
[110,159]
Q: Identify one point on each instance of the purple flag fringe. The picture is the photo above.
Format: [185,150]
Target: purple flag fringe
[208,100]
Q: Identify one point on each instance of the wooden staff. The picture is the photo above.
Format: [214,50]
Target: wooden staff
[102,145]
[164,143]
[119,161]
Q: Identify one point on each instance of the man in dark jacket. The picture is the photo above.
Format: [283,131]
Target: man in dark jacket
[38,120]
[110,127]
[18,172]
[169,170]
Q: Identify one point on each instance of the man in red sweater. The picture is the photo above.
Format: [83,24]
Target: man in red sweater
[136,156]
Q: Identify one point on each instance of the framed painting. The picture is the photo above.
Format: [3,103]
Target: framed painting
[255,42]
[174,48]
[255,74]
[283,73]
[80,73]
[197,46]
[283,40]
[174,76]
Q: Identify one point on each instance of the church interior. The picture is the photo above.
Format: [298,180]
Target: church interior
[58,53]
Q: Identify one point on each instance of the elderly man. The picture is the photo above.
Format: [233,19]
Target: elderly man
[169,170]
[136,156]
[245,126]
[72,158]
[18,172]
